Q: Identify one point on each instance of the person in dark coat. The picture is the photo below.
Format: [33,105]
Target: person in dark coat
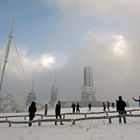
[89,107]
[113,105]
[32,111]
[57,112]
[108,105]
[77,108]
[73,107]
[46,108]
[120,104]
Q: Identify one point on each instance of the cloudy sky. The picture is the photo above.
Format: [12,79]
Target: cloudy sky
[63,36]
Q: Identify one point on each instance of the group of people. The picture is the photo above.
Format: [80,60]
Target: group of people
[32,110]
[57,112]
[120,106]
[107,105]
[75,108]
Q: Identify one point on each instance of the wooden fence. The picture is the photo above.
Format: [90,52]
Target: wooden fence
[106,115]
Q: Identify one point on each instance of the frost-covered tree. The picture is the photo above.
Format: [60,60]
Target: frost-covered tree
[11,103]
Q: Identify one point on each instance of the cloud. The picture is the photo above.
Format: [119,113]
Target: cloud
[112,73]
[22,68]
[108,8]
[77,33]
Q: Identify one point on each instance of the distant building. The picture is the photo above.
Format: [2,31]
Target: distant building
[31,96]
[88,90]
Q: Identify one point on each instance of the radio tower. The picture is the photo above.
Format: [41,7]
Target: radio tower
[6,56]
[88,91]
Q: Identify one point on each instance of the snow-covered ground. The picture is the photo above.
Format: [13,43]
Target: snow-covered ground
[82,130]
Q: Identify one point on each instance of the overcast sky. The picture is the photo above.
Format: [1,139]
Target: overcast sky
[63,36]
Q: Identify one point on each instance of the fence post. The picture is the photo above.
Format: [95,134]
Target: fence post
[85,115]
[56,122]
[73,122]
[109,118]
[24,117]
[41,116]
[106,113]
[6,118]
[63,116]
[39,123]
[9,124]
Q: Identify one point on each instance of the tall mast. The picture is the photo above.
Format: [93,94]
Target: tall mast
[6,56]
[33,84]
[55,76]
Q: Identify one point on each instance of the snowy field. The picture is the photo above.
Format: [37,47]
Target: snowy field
[82,130]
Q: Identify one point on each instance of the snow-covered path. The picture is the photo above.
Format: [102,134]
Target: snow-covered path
[83,130]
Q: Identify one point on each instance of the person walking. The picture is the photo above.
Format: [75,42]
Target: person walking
[108,105]
[46,109]
[113,105]
[89,107]
[104,106]
[32,111]
[73,107]
[77,108]
[120,104]
[58,112]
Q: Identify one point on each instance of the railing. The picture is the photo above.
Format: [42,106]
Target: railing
[73,120]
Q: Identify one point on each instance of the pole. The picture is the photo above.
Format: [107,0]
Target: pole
[6,57]
[5,62]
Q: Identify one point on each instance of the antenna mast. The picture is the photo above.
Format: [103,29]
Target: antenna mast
[6,56]
[33,85]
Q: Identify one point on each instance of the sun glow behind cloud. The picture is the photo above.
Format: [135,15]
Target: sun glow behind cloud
[41,62]
[29,64]
[47,60]
[119,45]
